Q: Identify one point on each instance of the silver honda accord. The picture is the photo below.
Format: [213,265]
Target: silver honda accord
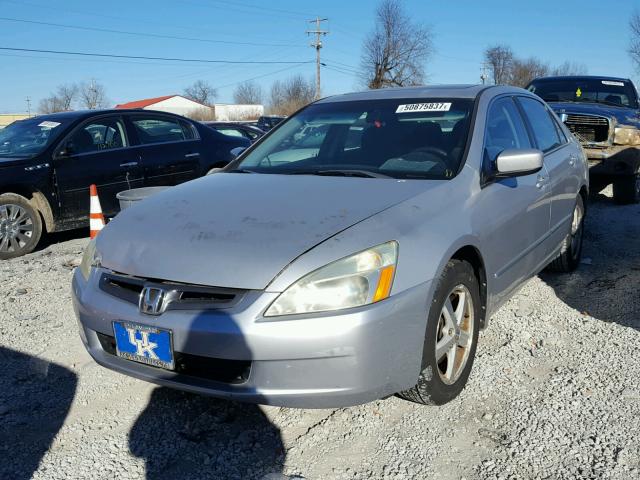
[353,253]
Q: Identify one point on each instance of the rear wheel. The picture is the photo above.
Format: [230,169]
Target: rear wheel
[571,249]
[20,226]
[451,337]
[627,189]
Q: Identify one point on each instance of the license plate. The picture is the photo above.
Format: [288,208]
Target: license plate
[144,344]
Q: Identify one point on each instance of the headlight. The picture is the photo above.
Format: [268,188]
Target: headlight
[90,259]
[626,136]
[360,279]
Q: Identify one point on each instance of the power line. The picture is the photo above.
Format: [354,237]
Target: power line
[141,34]
[138,20]
[317,44]
[165,59]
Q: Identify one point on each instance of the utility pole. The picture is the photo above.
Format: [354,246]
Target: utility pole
[28,100]
[484,76]
[317,44]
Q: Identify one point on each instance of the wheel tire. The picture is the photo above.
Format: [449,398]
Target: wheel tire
[626,189]
[29,230]
[571,250]
[432,387]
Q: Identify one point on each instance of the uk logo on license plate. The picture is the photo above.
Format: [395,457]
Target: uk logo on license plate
[144,344]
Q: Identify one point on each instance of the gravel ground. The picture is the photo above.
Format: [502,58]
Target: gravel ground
[555,392]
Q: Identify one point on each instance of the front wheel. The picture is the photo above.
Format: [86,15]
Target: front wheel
[451,337]
[20,226]
[626,189]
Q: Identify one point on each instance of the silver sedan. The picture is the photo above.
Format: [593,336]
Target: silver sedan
[352,253]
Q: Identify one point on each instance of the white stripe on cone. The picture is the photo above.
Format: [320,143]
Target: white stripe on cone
[95,224]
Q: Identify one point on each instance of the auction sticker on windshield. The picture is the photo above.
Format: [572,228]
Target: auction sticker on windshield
[423,107]
[48,124]
[610,82]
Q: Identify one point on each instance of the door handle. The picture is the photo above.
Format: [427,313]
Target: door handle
[572,160]
[191,155]
[129,164]
[541,181]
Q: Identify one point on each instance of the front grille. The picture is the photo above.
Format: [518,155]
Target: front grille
[588,128]
[179,296]
[215,369]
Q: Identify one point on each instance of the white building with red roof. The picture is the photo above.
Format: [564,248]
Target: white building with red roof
[189,108]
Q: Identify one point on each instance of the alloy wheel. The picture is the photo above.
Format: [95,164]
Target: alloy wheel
[454,336]
[576,229]
[16,228]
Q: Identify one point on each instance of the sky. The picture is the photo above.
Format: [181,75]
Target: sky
[590,32]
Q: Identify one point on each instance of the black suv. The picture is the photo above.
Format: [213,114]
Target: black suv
[604,115]
[48,162]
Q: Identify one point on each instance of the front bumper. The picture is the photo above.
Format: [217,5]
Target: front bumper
[308,361]
[614,160]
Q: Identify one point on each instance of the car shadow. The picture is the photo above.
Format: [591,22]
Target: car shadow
[192,436]
[59,237]
[605,285]
[35,398]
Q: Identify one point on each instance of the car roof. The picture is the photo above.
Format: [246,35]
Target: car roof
[578,77]
[79,114]
[427,91]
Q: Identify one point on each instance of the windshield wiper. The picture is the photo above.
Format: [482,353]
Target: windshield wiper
[240,170]
[342,173]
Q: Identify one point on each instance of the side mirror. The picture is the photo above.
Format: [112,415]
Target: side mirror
[66,151]
[514,163]
[237,151]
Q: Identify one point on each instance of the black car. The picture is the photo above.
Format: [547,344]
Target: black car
[236,130]
[48,162]
[267,122]
[604,115]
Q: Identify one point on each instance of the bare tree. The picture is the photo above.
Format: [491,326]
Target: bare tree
[289,95]
[60,101]
[395,53]
[523,71]
[569,68]
[93,95]
[634,46]
[248,93]
[500,60]
[201,92]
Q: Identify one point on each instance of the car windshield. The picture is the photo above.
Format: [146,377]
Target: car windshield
[399,138]
[26,138]
[610,92]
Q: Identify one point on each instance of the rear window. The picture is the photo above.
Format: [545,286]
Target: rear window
[401,138]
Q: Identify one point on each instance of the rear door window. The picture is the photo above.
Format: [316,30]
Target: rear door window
[156,129]
[544,129]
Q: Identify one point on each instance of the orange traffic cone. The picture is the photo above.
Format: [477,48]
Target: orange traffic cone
[96,218]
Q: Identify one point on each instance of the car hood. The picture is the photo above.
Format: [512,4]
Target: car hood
[240,230]
[623,115]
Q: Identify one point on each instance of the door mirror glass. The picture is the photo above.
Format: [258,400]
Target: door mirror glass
[512,163]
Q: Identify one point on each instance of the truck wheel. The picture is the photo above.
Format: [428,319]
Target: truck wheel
[451,337]
[20,226]
[571,249]
[627,189]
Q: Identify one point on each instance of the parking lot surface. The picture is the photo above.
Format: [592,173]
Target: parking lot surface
[554,392]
